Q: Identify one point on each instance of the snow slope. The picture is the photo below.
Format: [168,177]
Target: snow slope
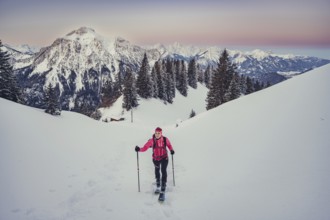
[154,112]
[263,156]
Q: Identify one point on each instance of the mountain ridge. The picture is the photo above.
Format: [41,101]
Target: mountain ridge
[84,60]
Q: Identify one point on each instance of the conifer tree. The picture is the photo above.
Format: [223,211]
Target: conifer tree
[234,90]
[9,88]
[257,86]
[119,77]
[130,99]
[220,81]
[169,80]
[228,75]
[192,73]
[242,84]
[85,102]
[249,86]
[143,82]
[107,92]
[171,77]
[207,76]
[52,101]
[169,87]
[177,70]
[182,82]
[214,94]
[170,66]
[200,74]
[154,83]
[160,81]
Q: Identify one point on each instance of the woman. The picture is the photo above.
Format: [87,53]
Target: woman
[160,158]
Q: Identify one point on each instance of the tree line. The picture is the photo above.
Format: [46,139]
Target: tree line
[169,75]
[162,81]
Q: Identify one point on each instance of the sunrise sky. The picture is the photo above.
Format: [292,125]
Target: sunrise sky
[146,22]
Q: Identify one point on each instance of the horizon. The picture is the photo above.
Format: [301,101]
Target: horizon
[321,52]
[224,22]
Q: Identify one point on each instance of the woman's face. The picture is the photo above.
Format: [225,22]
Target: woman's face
[158,134]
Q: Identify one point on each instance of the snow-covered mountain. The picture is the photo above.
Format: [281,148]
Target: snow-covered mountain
[262,156]
[79,61]
[19,58]
[257,64]
[27,49]
[82,60]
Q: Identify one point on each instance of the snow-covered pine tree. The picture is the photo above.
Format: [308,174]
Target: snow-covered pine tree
[130,99]
[169,86]
[119,81]
[228,73]
[192,73]
[218,87]
[160,81]
[107,92]
[177,70]
[258,86]
[52,101]
[154,82]
[86,102]
[234,90]
[169,80]
[9,88]
[249,86]
[170,69]
[143,82]
[119,77]
[242,84]
[200,74]
[182,82]
[207,76]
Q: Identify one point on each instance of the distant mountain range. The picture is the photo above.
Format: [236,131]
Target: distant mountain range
[83,59]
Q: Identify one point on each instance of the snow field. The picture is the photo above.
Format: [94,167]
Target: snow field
[263,156]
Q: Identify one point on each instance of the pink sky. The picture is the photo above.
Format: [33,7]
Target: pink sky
[208,22]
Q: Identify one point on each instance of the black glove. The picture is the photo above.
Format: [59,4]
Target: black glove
[137,149]
[172,152]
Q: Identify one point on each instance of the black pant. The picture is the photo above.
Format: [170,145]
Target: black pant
[161,165]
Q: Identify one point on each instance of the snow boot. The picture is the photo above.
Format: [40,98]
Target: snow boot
[161,197]
[157,191]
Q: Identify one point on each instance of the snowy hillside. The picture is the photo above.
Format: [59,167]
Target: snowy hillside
[263,156]
[154,112]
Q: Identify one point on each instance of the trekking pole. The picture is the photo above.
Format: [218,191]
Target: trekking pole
[138,169]
[173,171]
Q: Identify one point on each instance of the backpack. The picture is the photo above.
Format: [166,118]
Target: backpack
[159,152]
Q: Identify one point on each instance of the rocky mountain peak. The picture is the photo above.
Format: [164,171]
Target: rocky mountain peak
[82,31]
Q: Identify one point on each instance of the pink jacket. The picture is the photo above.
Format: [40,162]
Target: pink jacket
[159,151]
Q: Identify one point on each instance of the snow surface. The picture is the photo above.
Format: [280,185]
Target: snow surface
[263,156]
[154,112]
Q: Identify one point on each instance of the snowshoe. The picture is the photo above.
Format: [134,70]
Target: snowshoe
[161,197]
[157,191]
